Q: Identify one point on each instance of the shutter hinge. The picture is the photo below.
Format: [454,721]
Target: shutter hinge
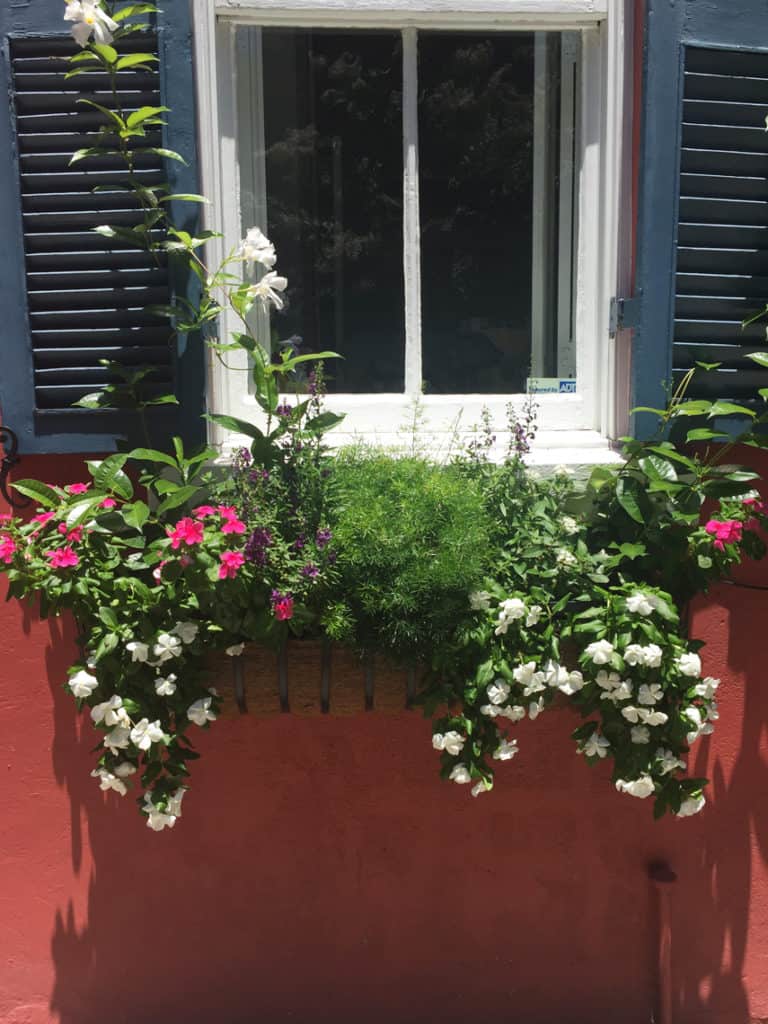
[9,457]
[624,314]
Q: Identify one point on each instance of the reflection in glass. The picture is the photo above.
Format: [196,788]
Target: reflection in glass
[330,119]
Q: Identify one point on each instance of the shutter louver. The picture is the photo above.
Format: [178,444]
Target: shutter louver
[85,294]
[722,243]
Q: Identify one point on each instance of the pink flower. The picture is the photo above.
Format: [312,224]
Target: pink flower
[227,511]
[43,517]
[230,563]
[77,488]
[233,525]
[157,572]
[186,531]
[756,505]
[203,510]
[62,558]
[7,548]
[6,517]
[62,528]
[728,532]
[282,606]
[107,503]
[75,535]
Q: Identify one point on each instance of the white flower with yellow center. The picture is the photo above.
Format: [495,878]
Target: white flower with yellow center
[88,19]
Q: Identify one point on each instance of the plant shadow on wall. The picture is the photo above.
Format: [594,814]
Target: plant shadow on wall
[515,594]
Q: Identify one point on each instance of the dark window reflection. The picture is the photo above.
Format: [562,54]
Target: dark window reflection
[476,115]
[333,147]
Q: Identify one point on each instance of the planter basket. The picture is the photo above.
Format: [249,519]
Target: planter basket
[311,678]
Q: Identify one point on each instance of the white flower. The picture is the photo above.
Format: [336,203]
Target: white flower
[109,780]
[505,751]
[460,774]
[706,688]
[157,820]
[515,713]
[165,687]
[82,684]
[235,650]
[480,787]
[124,769]
[712,713]
[600,652]
[689,664]
[498,691]
[608,680]
[174,802]
[555,675]
[562,470]
[111,712]
[535,708]
[632,714]
[186,631]
[513,608]
[266,290]
[573,683]
[566,558]
[490,710]
[452,742]
[118,739]
[640,734]
[569,525]
[641,788]
[213,691]
[669,761]
[634,655]
[691,806]
[652,655]
[200,712]
[138,650]
[649,694]
[480,601]
[257,248]
[622,692]
[640,603]
[145,733]
[534,614]
[694,715]
[166,647]
[88,17]
[595,746]
[653,717]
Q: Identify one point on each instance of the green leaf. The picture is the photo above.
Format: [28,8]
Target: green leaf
[108,617]
[627,496]
[693,407]
[152,455]
[704,434]
[176,498]
[658,468]
[729,409]
[37,491]
[169,154]
[325,421]
[133,59]
[186,197]
[232,423]
[107,53]
[133,9]
[108,476]
[761,358]
[78,512]
[143,114]
[136,514]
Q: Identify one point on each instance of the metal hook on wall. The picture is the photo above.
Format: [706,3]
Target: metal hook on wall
[10,445]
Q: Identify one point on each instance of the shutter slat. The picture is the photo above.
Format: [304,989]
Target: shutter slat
[98,259]
[95,298]
[721,186]
[723,211]
[55,358]
[726,261]
[704,332]
[704,160]
[724,112]
[723,236]
[722,284]
[725,137]
[101,338]
[726,88]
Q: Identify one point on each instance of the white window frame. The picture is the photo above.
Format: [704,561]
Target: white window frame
[575,428]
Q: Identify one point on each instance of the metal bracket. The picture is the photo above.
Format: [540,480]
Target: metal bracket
[624,315]
[10,445]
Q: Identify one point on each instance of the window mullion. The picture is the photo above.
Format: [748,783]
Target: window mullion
[411,227]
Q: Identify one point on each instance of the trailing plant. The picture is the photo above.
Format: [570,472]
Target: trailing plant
[515,593]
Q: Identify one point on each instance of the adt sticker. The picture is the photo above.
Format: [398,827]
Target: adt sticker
[551,386]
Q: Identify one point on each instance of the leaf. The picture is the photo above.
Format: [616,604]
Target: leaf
[232,423]
[626,495]
[657,467]
[136,514]
[136,60]
[693,407]
[186,197]
[162,400]
[152,455]
[325,421]
[704,434]
[761,358]
[107,53]
[169,154]
[669,452]
[108,476]
[143,114]
[78,512]
[37,491]
[108,617]
[729,409]
[133,9]
[176,498]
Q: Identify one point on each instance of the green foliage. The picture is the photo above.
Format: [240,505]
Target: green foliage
[413,540]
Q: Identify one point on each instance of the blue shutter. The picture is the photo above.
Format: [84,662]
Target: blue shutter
[702,256]
[67,298]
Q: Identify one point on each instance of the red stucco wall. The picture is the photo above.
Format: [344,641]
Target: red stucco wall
[323,872]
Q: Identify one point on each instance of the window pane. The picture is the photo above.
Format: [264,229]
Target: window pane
[490,159]
[331,131]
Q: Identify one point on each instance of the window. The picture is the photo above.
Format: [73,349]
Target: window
[439,189]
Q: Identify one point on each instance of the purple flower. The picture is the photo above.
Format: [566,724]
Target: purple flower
[323,537]
[312,383]
[284,410]
[257,544]
[299,543]
[310,570]
[331,556]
